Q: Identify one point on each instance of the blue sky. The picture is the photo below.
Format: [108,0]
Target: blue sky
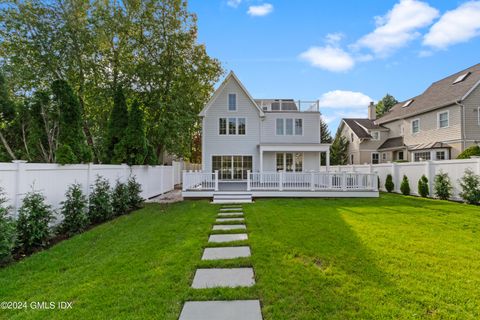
[344,53]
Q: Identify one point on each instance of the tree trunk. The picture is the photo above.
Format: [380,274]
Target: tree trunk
[7,147]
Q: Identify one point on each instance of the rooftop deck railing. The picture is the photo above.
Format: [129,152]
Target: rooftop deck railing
[290,105]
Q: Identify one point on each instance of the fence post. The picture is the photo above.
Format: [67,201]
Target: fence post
[428,174]
[312,181]
[344,181]
[280,181]
[89,178]
[184,188]
[394,171]
[20,183]
[216,180]
[248,180]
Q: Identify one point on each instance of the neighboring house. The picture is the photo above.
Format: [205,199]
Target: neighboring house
[241,134]
[436,125]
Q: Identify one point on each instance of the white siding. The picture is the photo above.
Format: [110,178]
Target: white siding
[311,127]
[215,144]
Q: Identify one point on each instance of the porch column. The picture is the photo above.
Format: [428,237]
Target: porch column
[261,160]
[327,160]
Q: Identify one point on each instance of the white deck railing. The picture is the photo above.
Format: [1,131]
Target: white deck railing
[287,181]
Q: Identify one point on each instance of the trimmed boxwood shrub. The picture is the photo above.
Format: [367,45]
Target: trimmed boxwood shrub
[405,186]
[389,183]
[470,184]
[7,231]
[74,211]
[100,201]
[120,199]
[134,188]
[34,216]
[443,186]
[469,152]
[423,187]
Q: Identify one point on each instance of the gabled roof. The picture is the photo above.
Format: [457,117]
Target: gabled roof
[441,93]
[392,143]
[361,126]
[231,75]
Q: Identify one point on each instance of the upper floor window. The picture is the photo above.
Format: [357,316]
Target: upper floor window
[289,127]
[415,126]
[443,119]
[402,130]
[232,102]
[375,135]
[351,137]
[235,126]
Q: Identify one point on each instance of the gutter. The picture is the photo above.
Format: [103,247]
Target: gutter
[463,134]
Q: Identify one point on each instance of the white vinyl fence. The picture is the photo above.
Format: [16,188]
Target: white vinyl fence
[414,171]
[52,180]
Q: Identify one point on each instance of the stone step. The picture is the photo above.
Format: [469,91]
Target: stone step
[221,310]
[228,214]
[223,277]
[227,237]
[226,253]
[229,227]
[230,220]
[231,209]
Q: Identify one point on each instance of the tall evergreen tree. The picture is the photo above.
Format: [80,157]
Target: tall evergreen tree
[384,105]
[326,137]
[117,126]
[339,150]
[72,145]
[133,147]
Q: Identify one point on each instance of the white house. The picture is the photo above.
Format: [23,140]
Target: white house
[259,144]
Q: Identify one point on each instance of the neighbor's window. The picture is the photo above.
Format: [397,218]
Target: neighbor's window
[232,102]
[375,135]
[421,156]
[415,126]
[375,158]
[242,127]
[400,155]
[232,125]
[351,137]
[443,119]
[222,126]
[289,127]
[298,127]
[280,130]
[440,155]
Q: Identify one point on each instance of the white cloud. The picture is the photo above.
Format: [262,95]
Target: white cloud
[455,26]
[334,38]
[329,118]
[234,3]
[399,26]
[260,10]
[329,58]
[341,99]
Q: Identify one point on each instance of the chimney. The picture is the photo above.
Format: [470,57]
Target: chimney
[372,114]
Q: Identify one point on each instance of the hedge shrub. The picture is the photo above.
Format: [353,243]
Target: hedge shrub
[74,211]
[389,186]
[470,184]
[134,188]
[100,207]
[405,186]
[443,186]
[423,187]
[469,152]
[7,231]
[34,216]
[120,199]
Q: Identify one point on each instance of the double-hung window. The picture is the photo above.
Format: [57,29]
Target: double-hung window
[375,135]
[232,126]
[443,119]
[232,102]
[415,126]
[289,127]
[375,158]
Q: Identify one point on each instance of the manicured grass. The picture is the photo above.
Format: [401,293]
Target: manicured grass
[390,258]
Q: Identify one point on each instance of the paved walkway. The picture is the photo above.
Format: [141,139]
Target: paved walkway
[224,277]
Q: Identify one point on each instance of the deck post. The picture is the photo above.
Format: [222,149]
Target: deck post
[327,160]
[216,180]
[184,180]
[280,181]
[248,180]
[312,181]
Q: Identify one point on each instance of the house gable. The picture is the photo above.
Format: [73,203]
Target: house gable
[225,86]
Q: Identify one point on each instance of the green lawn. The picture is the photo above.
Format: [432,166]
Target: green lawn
[390,258]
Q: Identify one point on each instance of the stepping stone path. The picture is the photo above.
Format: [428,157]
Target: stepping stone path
[224,277]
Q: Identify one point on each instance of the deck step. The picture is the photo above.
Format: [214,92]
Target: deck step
[240,197]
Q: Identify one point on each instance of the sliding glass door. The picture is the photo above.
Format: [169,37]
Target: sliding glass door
[232,167]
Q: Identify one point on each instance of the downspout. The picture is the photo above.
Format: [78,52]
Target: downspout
[458,102]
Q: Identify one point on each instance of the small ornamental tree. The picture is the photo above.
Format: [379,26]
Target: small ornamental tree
[33,221]
[134,188]
[74,210]
[405,186]
[470,184]
[423,187]
[469,152]
[7,231]
[120,199]
[100,206]
[389,183]
[443,186]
